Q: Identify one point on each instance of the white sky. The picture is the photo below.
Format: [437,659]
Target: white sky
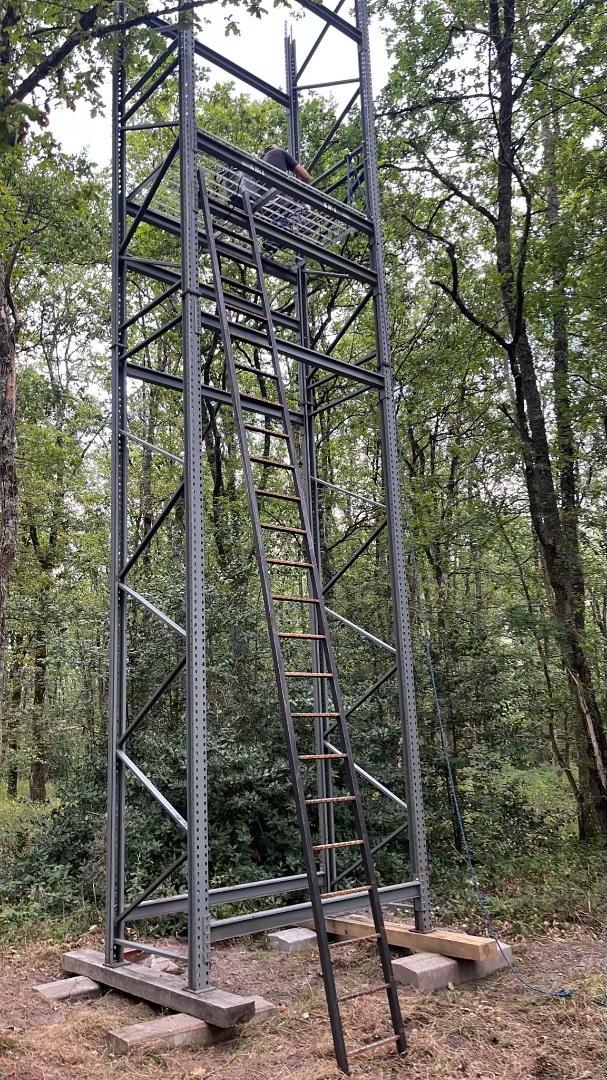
[260,49]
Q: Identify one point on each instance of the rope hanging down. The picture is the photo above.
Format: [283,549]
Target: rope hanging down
[563,993]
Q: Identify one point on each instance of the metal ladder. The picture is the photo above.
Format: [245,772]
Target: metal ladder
[283,436]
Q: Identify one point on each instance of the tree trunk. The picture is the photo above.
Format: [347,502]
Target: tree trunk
[38,767]
[556,526]
[8,476]
[12,721]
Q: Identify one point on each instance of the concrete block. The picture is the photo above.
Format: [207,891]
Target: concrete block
[264,1010]
[165,1033]
[297,937]
[426,971]
[75,989]
[430,971]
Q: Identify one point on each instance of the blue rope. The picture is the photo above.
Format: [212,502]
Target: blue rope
[564,993]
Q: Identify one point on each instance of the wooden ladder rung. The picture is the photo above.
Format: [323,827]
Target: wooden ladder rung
[315,714]
[331,799]
[256,371]
[373,1045]
[233,306]
[290,562]
[308,675]
[277,495]
[296,599]
[364,993]
[307,637]
[281,528]
[267,431]
[271,462]
[223,230]
[259,400]
[326,757]
[353,940]
[346,892]
[240,285]
[337,844]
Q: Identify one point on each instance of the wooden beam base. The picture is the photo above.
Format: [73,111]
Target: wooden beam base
[213,1006]
[445,942]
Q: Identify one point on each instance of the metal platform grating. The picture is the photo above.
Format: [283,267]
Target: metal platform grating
[269,205]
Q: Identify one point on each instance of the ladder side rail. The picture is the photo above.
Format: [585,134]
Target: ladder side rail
[292,749]
[314,575]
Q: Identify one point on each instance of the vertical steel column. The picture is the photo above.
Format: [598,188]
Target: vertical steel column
[293,109]
[404,653]
[117,673]
[324,778]
[198,865]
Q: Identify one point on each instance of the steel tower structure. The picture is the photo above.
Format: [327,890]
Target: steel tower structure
[221,207]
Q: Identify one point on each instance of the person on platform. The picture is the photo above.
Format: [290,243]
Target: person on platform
[281,159]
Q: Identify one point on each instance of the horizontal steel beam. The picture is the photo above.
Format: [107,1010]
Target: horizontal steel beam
[260,921]
[231,251]
[160,273]
[280,237]
[223,62]
[210,393]
[372,379]
[332,19]
[230,894]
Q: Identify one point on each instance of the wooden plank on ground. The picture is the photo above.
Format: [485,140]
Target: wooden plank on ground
[213,1006]
[445,942]
[165,1033]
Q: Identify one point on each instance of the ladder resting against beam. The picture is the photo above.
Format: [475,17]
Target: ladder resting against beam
[272,470]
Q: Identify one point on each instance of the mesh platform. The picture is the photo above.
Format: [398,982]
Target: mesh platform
[224,185]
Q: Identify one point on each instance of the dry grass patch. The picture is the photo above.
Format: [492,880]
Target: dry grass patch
[491,1031]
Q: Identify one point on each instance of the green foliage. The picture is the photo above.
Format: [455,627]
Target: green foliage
[505,697]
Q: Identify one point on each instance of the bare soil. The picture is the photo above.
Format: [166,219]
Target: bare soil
[493,1030]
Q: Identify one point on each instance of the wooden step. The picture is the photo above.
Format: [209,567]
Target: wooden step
[346,892]
[312,713]
[296,599]
[240,285]
[353,941]
[267,431]
[271,463]
[323,757]
[364,993]
[223,230]
[331,799]
[233,306]
[258,372]
[308,675]
[306,637]
[290,562]
[278,495]
[258,400]
[373,1045]
[281,528]
[337,844]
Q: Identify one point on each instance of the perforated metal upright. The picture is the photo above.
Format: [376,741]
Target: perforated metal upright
[221,204]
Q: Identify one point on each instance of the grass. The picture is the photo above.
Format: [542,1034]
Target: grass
[493,1030]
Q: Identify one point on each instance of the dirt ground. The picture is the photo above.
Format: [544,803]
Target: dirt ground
[494,1030]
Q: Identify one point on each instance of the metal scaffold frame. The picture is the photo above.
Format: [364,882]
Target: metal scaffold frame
[170,200]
